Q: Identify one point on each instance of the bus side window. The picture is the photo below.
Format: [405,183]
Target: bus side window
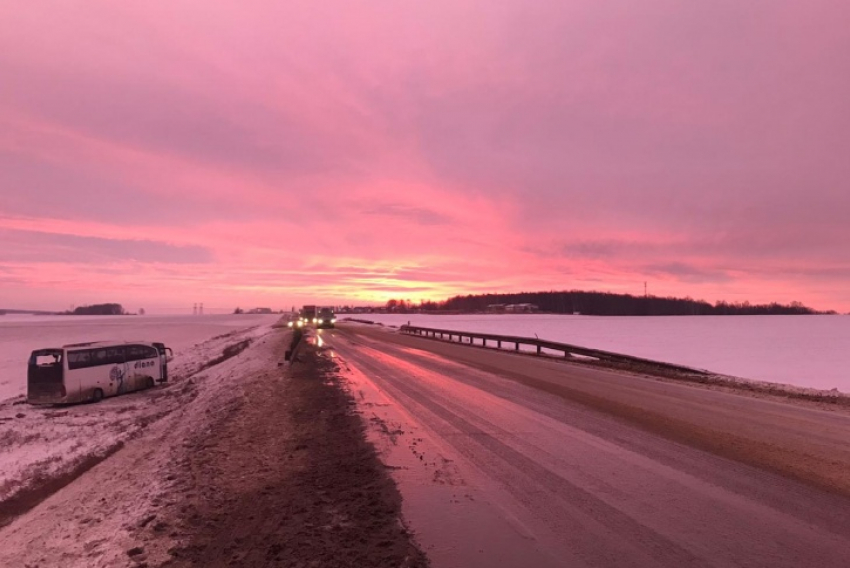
[115,355]
[79,359]
[133,352]
[98,357]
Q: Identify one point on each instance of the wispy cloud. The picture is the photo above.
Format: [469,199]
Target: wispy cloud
[36,248]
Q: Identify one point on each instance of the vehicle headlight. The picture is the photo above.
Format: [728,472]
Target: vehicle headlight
[289,324]
[333,320]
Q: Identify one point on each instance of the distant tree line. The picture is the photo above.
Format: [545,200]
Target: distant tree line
[99,310]
[8,311]
[604,304]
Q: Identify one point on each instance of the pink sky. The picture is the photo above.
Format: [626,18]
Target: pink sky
[160,154]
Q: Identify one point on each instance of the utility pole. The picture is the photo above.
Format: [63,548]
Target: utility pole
[644,290]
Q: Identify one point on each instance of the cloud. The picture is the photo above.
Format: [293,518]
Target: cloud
[686,272]
[418,215]
[36,248]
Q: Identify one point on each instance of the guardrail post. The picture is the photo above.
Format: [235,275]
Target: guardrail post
[484,342]
[539,350]
[516,346]
[499,344]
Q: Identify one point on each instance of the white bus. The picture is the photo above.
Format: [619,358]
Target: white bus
[91,371]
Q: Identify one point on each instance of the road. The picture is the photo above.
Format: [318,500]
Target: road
[509,460]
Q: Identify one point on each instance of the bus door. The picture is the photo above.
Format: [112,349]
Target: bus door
[165,354]
[78,378]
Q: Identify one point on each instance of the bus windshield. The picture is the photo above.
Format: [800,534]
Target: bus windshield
[46,358]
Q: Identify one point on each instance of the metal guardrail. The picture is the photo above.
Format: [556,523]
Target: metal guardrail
[540,344]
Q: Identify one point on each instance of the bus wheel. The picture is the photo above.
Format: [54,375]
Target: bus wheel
[97,395]
[150,383]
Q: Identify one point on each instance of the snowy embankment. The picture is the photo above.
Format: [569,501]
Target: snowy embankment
[831,396]
[800,353]
[43,448]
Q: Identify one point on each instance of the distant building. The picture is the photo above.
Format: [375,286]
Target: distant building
[260,311]
[521,308]
[496,308]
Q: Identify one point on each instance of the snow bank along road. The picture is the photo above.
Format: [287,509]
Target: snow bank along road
[81,483]
[507,460]
[238,461]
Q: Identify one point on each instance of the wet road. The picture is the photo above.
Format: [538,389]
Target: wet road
[497,473]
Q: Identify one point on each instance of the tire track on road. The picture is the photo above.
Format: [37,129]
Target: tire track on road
[572,508]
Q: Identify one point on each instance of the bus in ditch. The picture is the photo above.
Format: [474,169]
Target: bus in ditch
[83,372]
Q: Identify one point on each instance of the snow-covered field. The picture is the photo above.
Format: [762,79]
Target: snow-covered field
[128,501]
[42,443]
[805,351]
[19,335]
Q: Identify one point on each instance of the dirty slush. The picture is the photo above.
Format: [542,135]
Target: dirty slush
[286,477]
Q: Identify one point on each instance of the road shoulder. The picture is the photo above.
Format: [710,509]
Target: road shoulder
[288,478]
[803,440]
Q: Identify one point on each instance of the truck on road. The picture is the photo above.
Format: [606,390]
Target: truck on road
[309,314]
[325,318]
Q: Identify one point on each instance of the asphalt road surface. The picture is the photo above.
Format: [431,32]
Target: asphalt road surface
[510,460]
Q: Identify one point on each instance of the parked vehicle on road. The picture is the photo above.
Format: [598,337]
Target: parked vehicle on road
[92,371]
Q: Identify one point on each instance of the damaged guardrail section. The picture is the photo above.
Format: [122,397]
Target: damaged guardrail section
[539,345]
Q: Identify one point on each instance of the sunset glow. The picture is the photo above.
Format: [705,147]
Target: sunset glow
[159,154]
